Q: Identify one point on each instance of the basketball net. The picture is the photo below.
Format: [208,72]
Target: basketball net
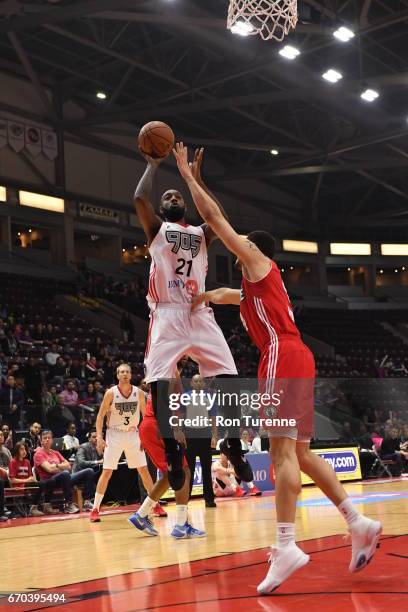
[268,18]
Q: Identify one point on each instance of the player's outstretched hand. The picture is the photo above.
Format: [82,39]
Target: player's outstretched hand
[181,154]
[199,299]
[197,163]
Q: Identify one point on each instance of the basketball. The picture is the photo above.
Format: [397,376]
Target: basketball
[156,139]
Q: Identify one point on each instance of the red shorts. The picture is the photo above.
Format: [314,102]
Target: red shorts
[153,443]
[287,372]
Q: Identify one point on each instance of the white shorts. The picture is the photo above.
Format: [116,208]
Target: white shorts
[176,331]
[118,442]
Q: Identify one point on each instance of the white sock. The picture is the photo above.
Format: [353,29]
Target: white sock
[98,500]
[250,485]
[145,508]
[348,511]
[181,514]
[285,534]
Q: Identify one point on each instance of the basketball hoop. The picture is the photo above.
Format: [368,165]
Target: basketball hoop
[268,18]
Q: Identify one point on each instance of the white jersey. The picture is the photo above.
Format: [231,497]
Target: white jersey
[124,413]
[179,264]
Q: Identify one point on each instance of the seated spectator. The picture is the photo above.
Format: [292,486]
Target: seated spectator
[78,369]
[91,368]
[39,334]
[98,392]
[87,396]
[245,443]
[26,340]
[50,399]
[5,458]
[52,468]
[58,371]
[87,456]
[69,440]
[21,475]
[8,437]
[49,333]
[52,355]
[3,517]
[390,448]
[256,444]
[69,397]
[11,402]
[33,439]
[346,434]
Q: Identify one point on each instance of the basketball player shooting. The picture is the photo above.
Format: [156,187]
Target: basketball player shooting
[177,273]
[268,317]
[122,406]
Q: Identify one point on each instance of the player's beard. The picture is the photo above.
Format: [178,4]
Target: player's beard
[174,214]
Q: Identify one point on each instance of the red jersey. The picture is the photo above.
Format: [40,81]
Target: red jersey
[266,311]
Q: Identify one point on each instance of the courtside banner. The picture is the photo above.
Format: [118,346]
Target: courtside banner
[344,461]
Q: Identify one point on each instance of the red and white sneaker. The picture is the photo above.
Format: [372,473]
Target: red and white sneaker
[365,536]
[239,492]
[94,516]
[284,562]
[255,492]
[158,511]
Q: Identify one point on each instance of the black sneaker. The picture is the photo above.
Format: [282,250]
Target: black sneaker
[175,468]
[210,504]
[236,457]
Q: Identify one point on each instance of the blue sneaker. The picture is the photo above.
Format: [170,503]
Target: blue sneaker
[186,531]
[143,524]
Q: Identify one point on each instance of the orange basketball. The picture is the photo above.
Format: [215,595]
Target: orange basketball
[156,139]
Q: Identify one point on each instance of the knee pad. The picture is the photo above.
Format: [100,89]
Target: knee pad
[232,449]
[175,467]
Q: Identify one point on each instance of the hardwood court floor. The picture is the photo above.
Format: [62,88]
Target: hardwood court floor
[118,568]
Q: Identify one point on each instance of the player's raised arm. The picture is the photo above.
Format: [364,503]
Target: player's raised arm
[210,235]
[103,409]
[223,295]
[247,252]
[150,221]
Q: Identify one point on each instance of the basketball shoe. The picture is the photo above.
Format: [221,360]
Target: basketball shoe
[255,492]
[231,447]
[183,532]
[239,492]
[143,524]
[158,511]
[284,562]
[365,536]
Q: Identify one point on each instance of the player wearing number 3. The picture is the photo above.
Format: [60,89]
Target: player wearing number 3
[123,406]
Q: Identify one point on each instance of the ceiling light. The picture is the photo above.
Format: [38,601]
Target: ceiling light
[343,34]
[332,75]
[349,269]
[403,268]
[289,52]
[396,270]
[274,152]
[369,95]
[291,267]
[30,230]
[381,271]
[123,250]
[242,28]
[101,95]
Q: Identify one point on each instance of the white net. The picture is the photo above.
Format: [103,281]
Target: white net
[268,18]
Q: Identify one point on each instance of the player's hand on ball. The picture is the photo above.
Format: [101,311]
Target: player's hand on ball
[181,154]
[153,161]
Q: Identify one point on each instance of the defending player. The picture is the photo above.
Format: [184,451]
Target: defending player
[178,272]
[268,317]
[154,445]
[122,406]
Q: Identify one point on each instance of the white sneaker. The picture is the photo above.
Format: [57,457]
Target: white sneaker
[284,561]
[365,535]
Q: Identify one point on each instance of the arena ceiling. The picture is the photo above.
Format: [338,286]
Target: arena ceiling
[343,159]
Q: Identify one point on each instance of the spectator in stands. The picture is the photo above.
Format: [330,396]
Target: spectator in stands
[245,443]
[11,402]
[52,355]
[87,396]
[78,369]
[98,392]
[39,334]
[390,449]
[21,475]
[8,437]
[126,325]
[12,344]
[50,399]
[5,458]
[69,397]
[33,386]
[346,434]
[33,439]
[58,371]
[91,369]
[88,457]
[70,441]
[3,517]
[52,468]
[26,340]
[49,333]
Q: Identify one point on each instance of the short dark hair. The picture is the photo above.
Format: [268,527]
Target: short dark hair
[264,241]
[46,432]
